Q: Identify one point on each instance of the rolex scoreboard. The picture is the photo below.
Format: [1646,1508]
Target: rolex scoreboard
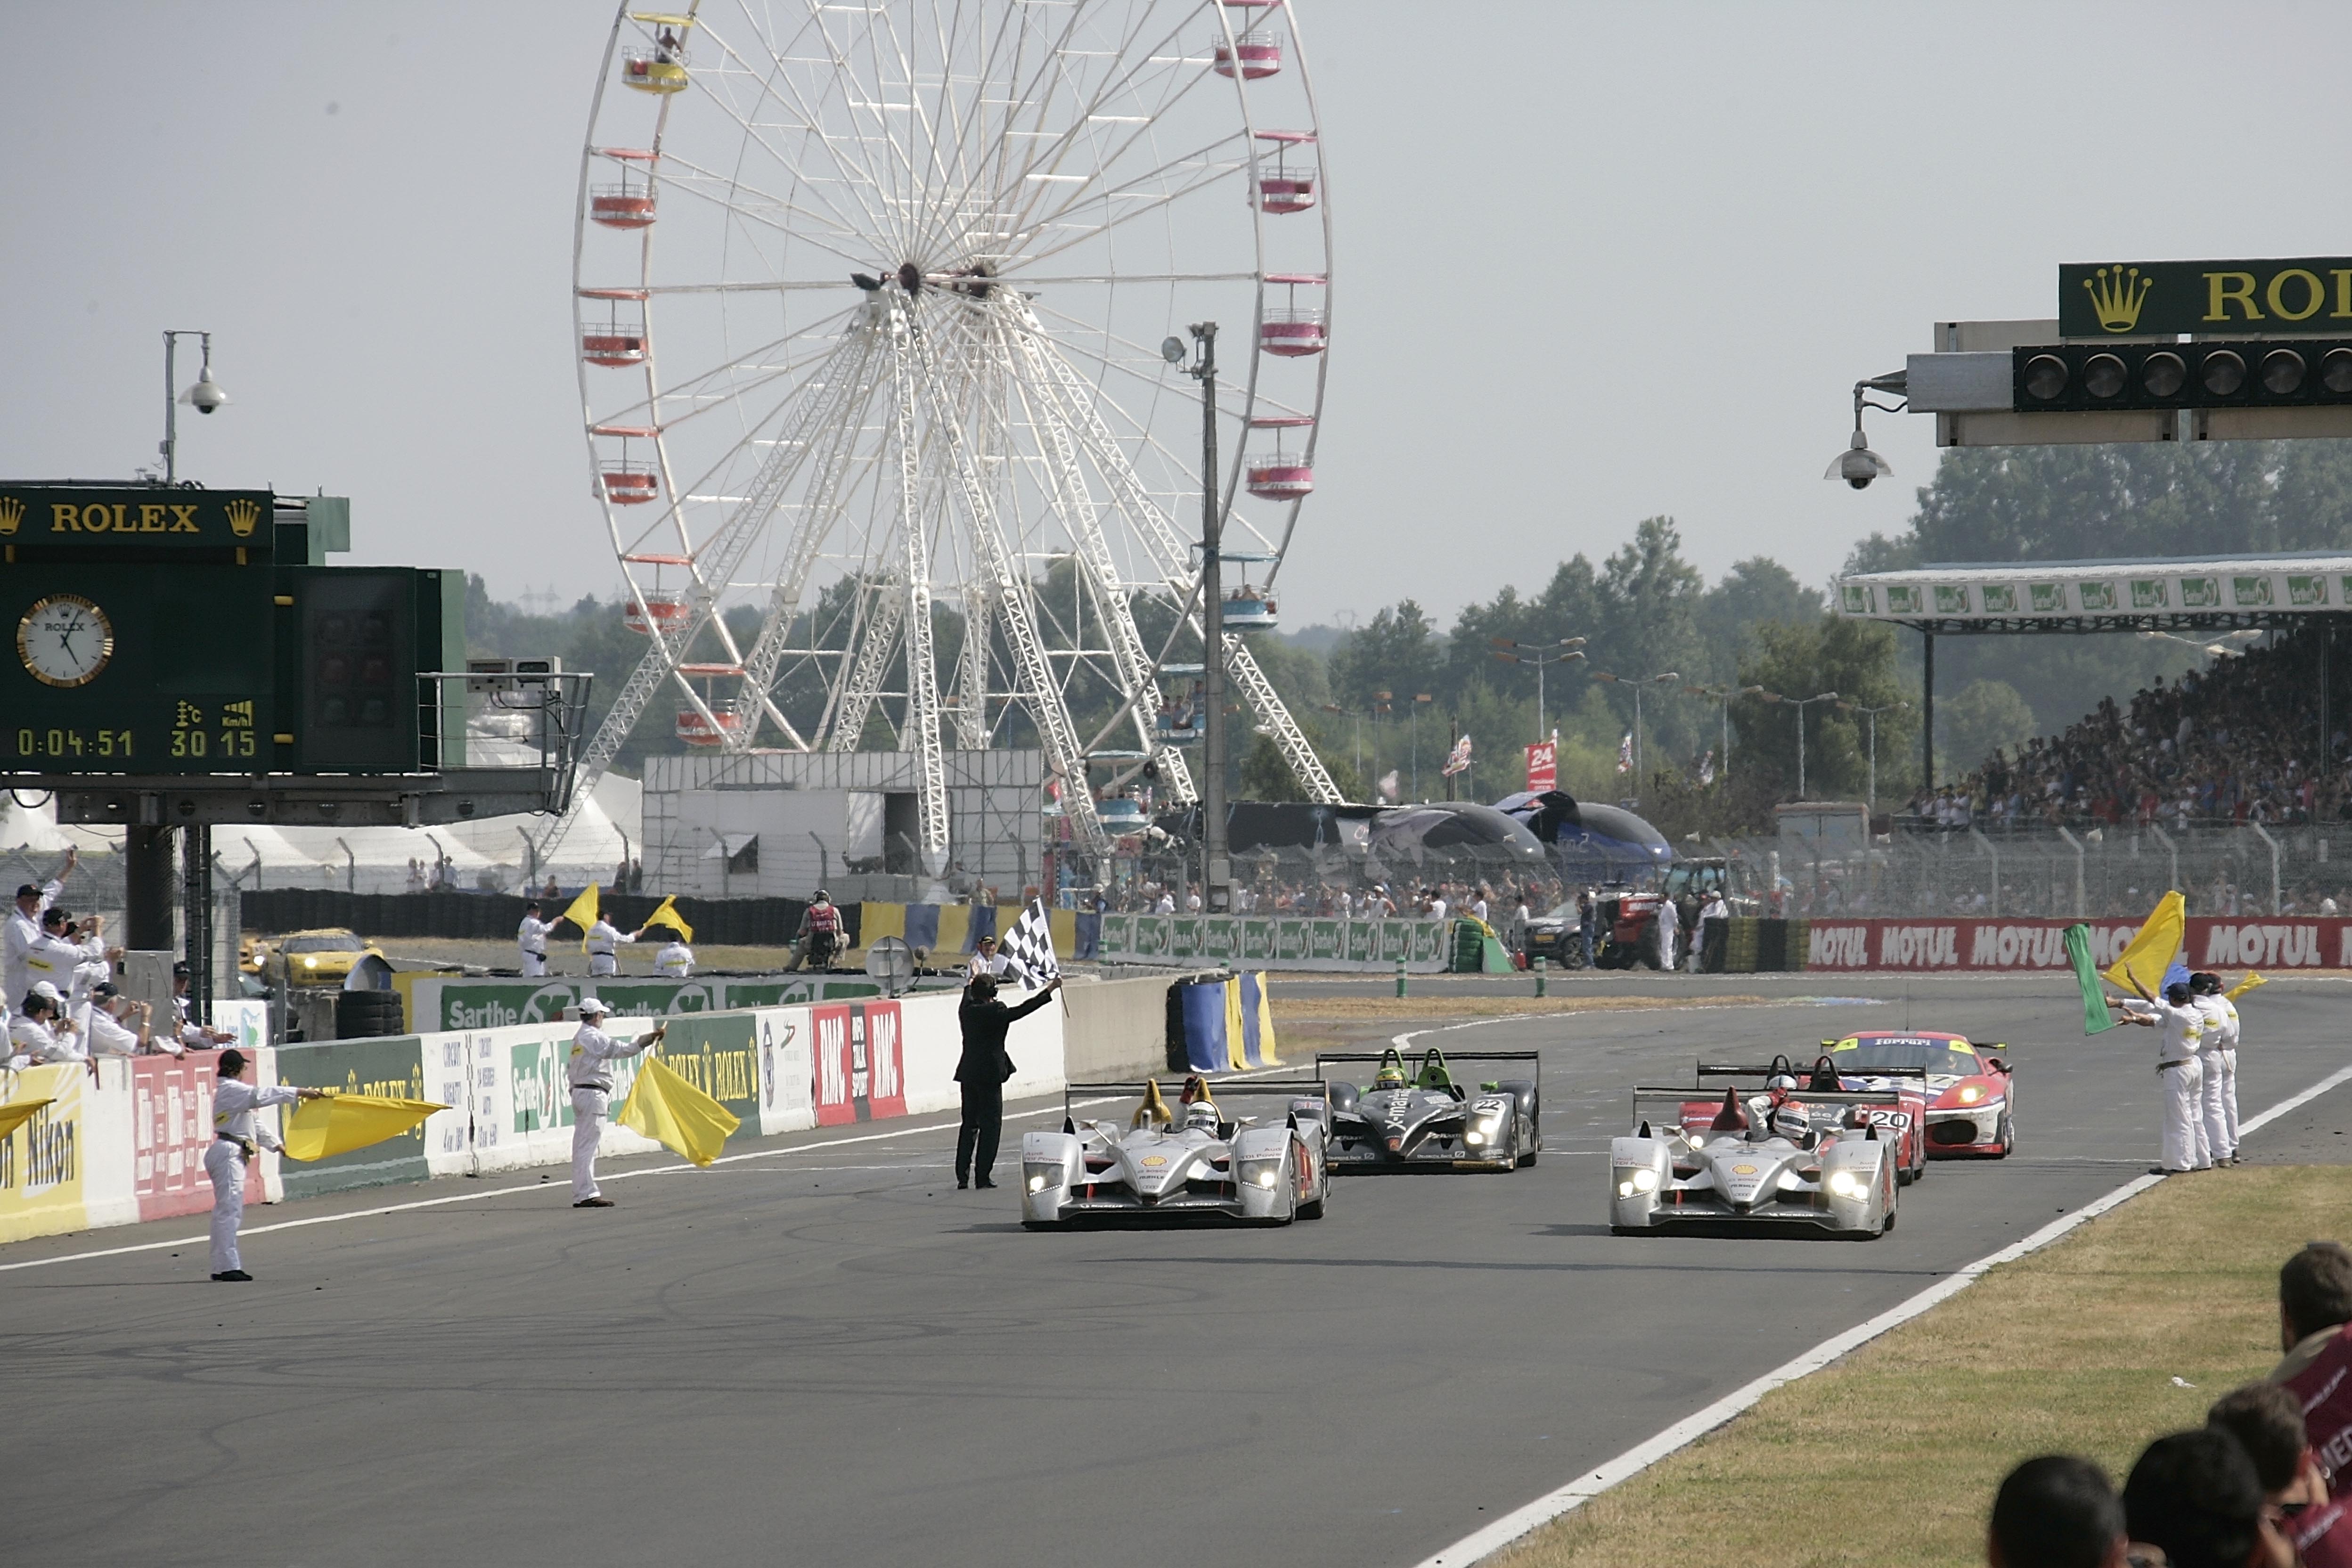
[158,629]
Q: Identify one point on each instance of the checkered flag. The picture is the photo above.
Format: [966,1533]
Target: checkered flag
[1028,947]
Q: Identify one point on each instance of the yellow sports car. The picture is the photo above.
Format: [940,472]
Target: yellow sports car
[321,957]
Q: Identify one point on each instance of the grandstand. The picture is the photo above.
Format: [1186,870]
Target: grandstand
[2234,778]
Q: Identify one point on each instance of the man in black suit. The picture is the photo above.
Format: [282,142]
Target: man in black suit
[983,1070]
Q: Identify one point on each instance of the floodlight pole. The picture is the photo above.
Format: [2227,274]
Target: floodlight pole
[1216,873]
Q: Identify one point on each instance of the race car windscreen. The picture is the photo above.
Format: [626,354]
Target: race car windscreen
[1933,1057]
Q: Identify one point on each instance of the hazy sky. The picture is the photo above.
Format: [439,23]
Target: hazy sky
[1593,262]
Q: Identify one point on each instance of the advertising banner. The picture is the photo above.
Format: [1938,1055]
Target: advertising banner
[171,1123]
[442,1003]
[787,1076]
[860,1062]
[43,1163]
[1543,765]
[1277,941]
[719,1055]
[394,1067]
[2211,943]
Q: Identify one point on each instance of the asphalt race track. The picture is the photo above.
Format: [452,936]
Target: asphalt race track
[827,1355]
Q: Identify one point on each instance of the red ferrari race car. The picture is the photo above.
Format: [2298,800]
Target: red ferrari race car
[1971,1098]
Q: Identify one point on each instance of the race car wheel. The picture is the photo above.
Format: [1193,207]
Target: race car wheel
[2006,1137]
[1039,1225]
[1312,1210]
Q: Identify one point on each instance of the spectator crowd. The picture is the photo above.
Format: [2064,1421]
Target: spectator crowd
[2237,743]
[2253,1487]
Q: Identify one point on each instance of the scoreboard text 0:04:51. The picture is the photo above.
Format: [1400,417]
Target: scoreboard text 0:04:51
[73,745]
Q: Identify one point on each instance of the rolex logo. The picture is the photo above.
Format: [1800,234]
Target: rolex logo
[242,516]
[12,512]
[2116,294]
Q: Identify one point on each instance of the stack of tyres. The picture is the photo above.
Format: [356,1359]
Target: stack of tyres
[368,1014]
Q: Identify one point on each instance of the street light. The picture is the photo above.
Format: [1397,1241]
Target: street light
[1357,715]
[1724,694]
[205,397]
[1216,869]
[1800,704]
[1539,655]
[1637,682]
[1874,713]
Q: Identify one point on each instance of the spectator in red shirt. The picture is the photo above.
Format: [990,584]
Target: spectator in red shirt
[2267,1421]
[2315,1306]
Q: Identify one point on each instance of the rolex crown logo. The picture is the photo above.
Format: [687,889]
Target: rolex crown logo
[12,512]
[242,516]
[2116,294]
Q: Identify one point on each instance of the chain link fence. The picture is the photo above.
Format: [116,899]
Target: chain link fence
[2072,873]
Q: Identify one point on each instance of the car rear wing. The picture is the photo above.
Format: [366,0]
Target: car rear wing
[1413,1068]
[1686,1093]
[1801,1069]
[1152,1092]
[1218,1088]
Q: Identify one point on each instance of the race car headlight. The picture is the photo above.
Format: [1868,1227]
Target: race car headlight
[1971,1093]
[1846,1184]
[1261,1173]
[310,964]
[1040,1177]
[1642,1179]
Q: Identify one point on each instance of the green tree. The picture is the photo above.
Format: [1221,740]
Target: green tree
[1856,660]
[1983,717]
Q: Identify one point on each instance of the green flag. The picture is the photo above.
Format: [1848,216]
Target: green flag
[2096,1019]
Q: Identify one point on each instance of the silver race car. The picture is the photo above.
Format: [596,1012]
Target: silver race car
[1784,1155]
[1195,1162]
[1406,1120]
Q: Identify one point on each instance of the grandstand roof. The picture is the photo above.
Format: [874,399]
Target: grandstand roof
[2146,593]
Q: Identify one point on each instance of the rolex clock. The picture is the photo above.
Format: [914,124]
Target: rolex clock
[65,640]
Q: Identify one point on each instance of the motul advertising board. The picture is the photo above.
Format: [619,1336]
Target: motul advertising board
[2212,943]
[860,1067]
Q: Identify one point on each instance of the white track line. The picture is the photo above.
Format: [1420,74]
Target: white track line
[544,1185]
[1635,1460]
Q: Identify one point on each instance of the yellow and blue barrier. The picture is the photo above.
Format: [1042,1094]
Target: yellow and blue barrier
[1228,1023]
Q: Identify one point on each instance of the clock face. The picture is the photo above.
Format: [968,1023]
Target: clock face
[65,640]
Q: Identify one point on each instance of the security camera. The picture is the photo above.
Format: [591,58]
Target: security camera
[207,394]
[1858,465]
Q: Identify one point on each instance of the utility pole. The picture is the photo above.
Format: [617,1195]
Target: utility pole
[1540,655]
[1216,869]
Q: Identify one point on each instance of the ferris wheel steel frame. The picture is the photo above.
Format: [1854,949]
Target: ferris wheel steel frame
[944,421]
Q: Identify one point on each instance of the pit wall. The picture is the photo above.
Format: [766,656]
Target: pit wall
[2211,942]
[127,1144]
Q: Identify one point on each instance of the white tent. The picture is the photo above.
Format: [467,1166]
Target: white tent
[260,855]
[32,827]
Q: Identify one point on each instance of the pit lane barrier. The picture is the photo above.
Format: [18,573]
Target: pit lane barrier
[125,1143]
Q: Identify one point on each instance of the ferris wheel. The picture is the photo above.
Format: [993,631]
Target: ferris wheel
[870,302]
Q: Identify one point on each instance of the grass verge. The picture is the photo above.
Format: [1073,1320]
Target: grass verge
[1892,1454]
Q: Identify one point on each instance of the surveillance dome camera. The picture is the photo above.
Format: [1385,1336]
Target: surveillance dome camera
[207,394]
[1858,465]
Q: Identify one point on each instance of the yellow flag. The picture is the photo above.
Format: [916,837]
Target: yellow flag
[342,1123]
[665,914]
[15,1116]
[2243,986]
[675,1114]
[2151,952]
[582,913]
